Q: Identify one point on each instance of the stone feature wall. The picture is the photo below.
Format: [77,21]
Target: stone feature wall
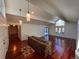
[4,42]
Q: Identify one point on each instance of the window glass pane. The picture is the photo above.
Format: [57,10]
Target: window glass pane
[62,30]
[60,23]
[59,30]
[46,33]
[56,30]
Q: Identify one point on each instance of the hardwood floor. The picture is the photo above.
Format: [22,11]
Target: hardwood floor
[62,48]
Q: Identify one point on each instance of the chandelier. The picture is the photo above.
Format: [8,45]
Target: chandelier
[28,12]
[20,21]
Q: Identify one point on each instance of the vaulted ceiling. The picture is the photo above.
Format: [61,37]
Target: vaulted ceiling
[46,10]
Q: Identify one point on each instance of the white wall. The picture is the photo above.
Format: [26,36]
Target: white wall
[32,30]
[70,30]
[77,35]
[38,30]
[77,42]
[0,6]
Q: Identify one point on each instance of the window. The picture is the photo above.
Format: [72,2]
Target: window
[60,23]
[46,33]
[60,26]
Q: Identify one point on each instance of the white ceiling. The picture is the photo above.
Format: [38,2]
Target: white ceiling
[65,9]
[46,10]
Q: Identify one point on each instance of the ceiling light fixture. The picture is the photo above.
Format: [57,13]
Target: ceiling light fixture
[28,13]
[20,21]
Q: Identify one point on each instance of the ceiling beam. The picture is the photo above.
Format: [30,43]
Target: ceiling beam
[15,19]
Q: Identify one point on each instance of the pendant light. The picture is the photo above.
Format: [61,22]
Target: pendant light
[20,21]
[28,13]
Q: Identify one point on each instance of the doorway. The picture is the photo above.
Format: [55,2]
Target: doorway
[14,33]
